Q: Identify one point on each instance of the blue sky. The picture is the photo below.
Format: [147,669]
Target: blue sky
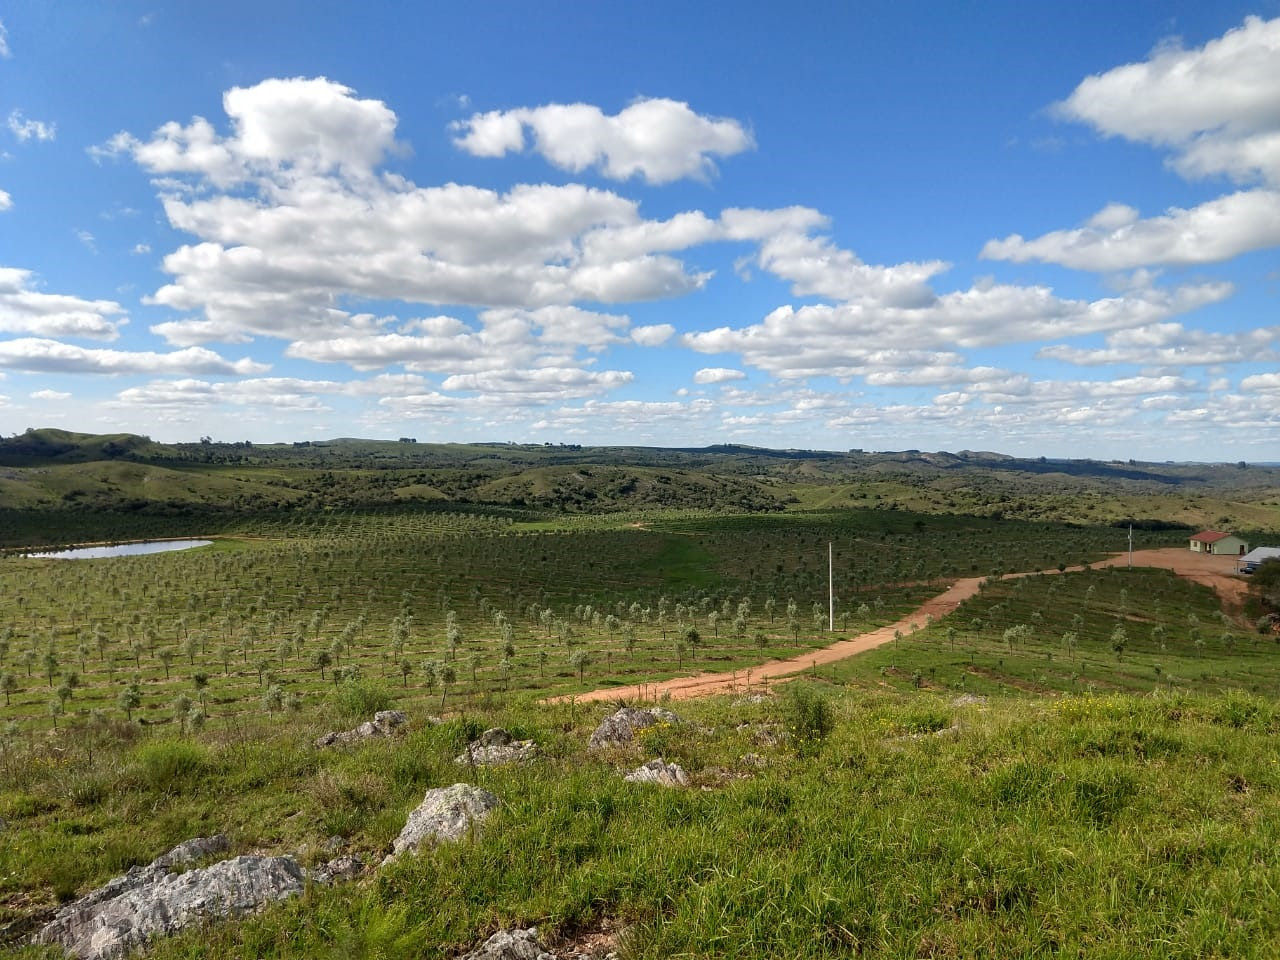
[1044,229]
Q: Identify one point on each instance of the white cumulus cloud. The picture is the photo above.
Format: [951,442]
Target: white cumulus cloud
[1117,239]
[815,266]
[718,375]
[1214,106]
[286,128]
[653,335]
[53,356]
[550,383]
[26,310]
[25,129]
[1172,345]
[1262,383]
[657,139]
[289,222]
[1214,110]
[279,393]
[859,338]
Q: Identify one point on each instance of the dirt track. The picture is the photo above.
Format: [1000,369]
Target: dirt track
[1215,572]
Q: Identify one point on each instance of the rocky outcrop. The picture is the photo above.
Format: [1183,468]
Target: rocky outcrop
[495,747]
[446,814]
[512,945]
[190,851]
[660,772]
[74,915]
[383,724]
[345,867]
[619,729]
[764,734]
[154,901]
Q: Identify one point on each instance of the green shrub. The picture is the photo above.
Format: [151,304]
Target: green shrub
[414,765]
[168,764]
[808,716]
[661,740]
[86,788]
[16,805]
[358,700]
[1020,782]
[458,732]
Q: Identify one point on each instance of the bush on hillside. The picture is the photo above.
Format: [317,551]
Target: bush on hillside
[358,700]
[809,717]
[169,764]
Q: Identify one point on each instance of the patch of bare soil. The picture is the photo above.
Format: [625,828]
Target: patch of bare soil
[599,942]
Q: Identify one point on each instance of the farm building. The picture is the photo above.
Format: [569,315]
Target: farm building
[1249,562]
[1218,543]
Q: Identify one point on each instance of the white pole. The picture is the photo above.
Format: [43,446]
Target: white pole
[831,590]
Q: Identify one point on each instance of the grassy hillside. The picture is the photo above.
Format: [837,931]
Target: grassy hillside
[1088,826]
[106,485]
[1114,794]
[197,485]
[49,446]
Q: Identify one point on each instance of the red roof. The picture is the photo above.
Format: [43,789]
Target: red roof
[1210,536]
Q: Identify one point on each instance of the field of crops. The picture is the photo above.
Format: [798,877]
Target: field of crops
[1096,631]
[470,603]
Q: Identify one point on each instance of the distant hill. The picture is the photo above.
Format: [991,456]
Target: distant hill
[49,469]
[49,445]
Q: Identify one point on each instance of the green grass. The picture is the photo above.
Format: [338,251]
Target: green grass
[1114,825]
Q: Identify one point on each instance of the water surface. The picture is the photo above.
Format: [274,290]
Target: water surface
[121,550]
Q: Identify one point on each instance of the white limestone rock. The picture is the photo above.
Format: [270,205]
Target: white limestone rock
[152,902]
[383,724]
[445,815]
[660,772]
[512,945]
[619,728]
[496,747]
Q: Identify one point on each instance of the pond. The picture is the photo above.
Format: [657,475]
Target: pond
[120,550]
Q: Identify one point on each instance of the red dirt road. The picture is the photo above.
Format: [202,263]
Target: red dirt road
[1215,572]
